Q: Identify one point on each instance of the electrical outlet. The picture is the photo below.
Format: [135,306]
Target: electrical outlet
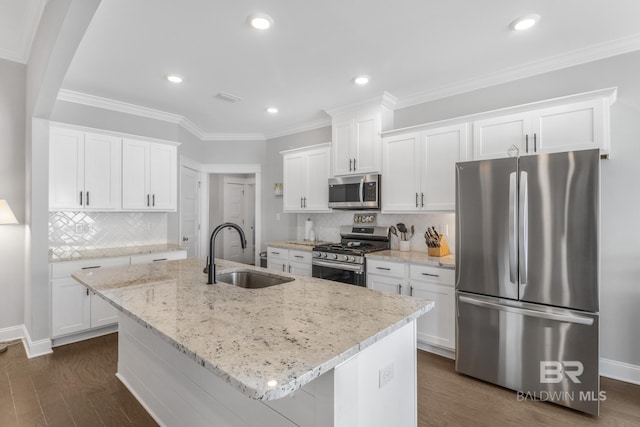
[446,230]
[79,228]
[385,375]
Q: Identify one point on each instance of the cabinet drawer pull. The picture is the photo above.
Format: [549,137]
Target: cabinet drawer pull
[160,259]
[275,253]
[89,268]
[383,268]
[431,275]
[298,256]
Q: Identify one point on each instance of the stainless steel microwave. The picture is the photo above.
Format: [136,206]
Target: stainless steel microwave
[355,192]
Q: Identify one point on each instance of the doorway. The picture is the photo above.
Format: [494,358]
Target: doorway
[190,211]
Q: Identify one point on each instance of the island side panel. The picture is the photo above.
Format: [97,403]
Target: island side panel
[378,386]
[177,391]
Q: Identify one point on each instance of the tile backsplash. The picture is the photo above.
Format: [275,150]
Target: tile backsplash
[327,226]
[75,231]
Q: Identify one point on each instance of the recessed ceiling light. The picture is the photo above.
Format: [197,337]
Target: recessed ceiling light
[260,21]
[174,78]
[525,22]
[272,110]
[361,80]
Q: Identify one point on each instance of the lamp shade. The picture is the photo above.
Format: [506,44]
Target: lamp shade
[6,214]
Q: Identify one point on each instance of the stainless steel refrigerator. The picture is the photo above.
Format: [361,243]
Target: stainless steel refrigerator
[527,272]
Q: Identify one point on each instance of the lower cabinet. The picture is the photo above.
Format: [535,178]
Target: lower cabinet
[438,326]
[289,261]
[74,308]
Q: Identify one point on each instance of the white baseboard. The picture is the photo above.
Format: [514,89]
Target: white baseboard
[93,333]
[35,348]
[12,333]
[620,371]
[449,354]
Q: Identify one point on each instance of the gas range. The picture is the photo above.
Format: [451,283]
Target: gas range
[345,261]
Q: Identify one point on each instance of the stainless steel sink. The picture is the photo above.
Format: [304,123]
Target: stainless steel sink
[252,279]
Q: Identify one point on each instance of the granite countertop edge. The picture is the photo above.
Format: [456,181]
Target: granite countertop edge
[87,254]
[415,257]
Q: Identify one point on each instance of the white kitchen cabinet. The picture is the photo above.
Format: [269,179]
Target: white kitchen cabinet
[289,261]
[356,145]
[572,126]
[306,175]
[419,169]
[74,308]
[149,176]
[387,276]
[437,327]
[84,171]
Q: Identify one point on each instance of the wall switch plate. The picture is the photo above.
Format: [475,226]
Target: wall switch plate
[385,375]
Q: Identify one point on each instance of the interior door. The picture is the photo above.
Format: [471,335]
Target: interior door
[486,218]
[233,212]
[559,204]
[190,211]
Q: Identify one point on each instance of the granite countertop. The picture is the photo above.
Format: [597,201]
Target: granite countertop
[298,245]
[264,342]
[415,257]
[115,252]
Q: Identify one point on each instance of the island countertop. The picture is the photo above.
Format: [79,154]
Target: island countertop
[264,342]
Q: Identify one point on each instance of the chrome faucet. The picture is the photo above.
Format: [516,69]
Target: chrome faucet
[211,267]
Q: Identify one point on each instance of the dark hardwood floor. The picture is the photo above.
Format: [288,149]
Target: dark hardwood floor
[76,386]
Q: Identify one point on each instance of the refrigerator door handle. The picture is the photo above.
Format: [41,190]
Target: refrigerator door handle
[523,224]
[568,318]
[513,228]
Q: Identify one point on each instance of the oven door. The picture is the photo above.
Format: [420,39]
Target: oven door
[348,273]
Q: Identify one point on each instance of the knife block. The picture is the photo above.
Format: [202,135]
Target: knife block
[442,250]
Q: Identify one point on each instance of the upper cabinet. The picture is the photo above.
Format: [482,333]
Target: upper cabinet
[577,122]
[306,176]
[419,169]
[149,171]
[93,171]
[356,140]
[84,171]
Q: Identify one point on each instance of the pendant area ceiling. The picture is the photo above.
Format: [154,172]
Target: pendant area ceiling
[306,62]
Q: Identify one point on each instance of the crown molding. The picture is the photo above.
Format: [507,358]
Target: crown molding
[246,137]
[553,63]
[386,100]
[311,125]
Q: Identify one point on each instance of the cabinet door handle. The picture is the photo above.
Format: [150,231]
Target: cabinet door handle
[305,202]
[81,198]
[526,143]
[430,275]
[289,269]
[87,198]
[350,162]
[354,165]
[535,143]
[87,289]
[416,200]
[283,267]
[154,200]
[160,259]
[422,195]
[410,291]
[399,289]
[383,268]
[147,200]
[89,268]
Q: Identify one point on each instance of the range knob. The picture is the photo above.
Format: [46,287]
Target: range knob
[352,259]
[323,255]
[334,256]
[316,254]
[343,258]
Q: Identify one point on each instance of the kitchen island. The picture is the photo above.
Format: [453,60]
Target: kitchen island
[306,352]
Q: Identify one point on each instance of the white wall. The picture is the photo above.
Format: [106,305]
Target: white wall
[620,201]
[12,176]
[285,228]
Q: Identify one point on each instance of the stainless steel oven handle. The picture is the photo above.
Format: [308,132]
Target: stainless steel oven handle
[362,191]
[582,320]
[349,267]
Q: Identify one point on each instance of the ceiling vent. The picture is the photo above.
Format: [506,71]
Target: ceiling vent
[228,97]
